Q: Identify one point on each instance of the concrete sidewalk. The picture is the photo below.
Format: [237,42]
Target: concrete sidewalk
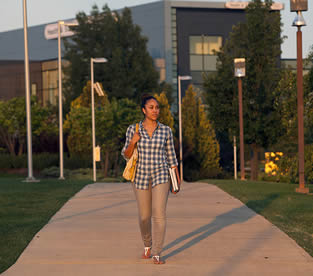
[208,233]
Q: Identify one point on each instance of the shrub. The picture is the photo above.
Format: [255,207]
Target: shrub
[78,162]
[45,160]
[288,166]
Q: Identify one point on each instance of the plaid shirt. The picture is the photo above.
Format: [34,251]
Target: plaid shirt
[156,155]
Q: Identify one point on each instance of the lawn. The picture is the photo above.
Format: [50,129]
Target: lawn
[26,208]
[278,203]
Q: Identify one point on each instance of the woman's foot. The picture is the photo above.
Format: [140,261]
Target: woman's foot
[157,260]
[147,253]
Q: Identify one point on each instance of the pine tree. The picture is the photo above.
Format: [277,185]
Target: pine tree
[201,149]
[165,117]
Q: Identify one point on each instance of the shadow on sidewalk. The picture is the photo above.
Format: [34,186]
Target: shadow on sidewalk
[92,211]
[237,215]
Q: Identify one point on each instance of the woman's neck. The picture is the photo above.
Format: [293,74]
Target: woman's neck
[149,123]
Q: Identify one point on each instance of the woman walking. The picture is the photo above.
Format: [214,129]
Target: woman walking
[151,185]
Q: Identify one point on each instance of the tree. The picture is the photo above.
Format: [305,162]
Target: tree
[258,40]
[201,149]
[111,120]
[129,71]
[165,111]
[310,75]
[13,123]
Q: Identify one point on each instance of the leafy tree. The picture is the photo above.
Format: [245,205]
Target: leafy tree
[310,75]
[201,149]
[78,123]
[165,111]
[111,118]
[13,123]
[258,40]
[286,103]
[129,71]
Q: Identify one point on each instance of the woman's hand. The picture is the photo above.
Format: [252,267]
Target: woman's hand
[177,176]
[135,139]
[130,149]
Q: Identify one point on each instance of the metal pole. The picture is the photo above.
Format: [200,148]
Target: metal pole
[30,177]
[93,123]
[242,155]
[180,131]
[235,158]
[301,188]
[60,102]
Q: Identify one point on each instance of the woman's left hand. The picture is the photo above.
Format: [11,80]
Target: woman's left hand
[177,176]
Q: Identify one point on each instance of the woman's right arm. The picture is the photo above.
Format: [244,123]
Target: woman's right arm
[132,138]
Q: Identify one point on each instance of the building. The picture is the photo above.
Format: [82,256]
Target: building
[182,38]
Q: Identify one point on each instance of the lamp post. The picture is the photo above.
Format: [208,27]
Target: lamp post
[30,177]
[92,61]
[299,6]
[240,71]
[60,23]
[180,78]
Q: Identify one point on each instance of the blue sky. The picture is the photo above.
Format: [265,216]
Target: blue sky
[46,11]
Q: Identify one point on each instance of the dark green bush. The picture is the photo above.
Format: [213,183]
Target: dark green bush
[77,162]
[45,160]
[288,166]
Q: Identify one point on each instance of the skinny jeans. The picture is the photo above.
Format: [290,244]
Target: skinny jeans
[151,205]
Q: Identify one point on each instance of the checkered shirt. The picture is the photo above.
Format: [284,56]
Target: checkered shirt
[156,155]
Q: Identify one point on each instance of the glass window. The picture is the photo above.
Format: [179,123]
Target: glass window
[201,54]
[212,43]
[195,43]
[50,86]
[196,63]
[34,89]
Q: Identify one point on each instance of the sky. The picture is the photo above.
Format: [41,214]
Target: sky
[47,11]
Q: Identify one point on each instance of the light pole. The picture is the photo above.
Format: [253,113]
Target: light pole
[30,177]
[299,6]
[240,71]
[92,61]
[60,23]
[180,78]
[235,158]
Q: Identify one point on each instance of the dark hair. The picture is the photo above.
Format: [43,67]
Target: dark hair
[145,98]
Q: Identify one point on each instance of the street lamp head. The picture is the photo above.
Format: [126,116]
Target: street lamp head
[185,77]
[299,20]
[99,60]
[240,67]
[70,24]
[298,5]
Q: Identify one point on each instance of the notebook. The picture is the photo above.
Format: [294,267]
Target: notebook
[175,187]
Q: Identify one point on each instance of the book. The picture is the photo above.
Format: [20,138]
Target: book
[174,182]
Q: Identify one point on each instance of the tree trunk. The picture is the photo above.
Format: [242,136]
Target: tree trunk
[9,141]
[116,164]
[255,162]
[106,163]
[20,148]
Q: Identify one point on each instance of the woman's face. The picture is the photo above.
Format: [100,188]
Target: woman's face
[151,110]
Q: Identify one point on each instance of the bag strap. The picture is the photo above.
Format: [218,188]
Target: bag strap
[137,128]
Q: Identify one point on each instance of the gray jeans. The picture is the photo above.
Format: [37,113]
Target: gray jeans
[152,204]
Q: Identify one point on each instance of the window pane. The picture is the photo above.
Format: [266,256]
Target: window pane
[34,89]
[195,45]
[196,63]
[210,63]
[212,43]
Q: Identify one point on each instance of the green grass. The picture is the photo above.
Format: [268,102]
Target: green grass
[278,203]
[26,208]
